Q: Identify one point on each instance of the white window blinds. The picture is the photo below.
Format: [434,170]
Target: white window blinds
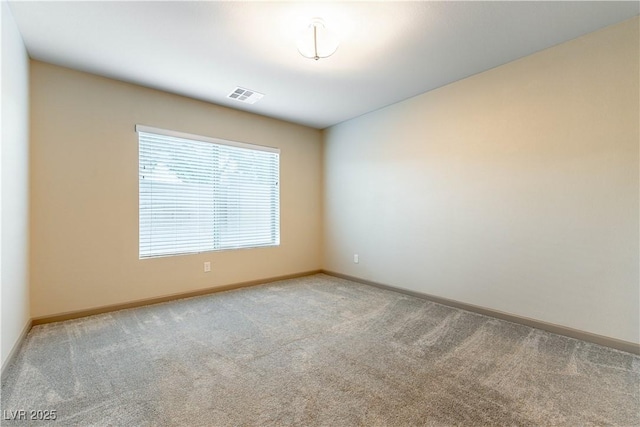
[202,194]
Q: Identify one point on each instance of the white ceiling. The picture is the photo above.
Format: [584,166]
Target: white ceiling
[389,51]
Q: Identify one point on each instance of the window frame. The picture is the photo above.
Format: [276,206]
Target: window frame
[274,221]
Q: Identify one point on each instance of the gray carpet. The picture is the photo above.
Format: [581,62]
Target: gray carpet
[315,351]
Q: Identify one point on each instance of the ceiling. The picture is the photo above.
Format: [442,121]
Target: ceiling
[389,51]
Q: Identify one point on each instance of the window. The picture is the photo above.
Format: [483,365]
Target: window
[202,194]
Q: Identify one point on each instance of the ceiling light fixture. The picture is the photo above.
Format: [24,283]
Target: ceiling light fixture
[316,41]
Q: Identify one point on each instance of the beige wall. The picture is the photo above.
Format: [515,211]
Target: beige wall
[515,189]
[14,179]
[85,193]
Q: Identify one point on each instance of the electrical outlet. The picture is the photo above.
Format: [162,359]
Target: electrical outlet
[356,258]
[207,266]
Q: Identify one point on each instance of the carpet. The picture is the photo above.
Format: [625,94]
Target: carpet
[314,351]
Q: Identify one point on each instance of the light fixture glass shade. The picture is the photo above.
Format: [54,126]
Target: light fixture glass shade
[317,42]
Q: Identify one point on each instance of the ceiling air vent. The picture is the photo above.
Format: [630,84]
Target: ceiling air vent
[247,96]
